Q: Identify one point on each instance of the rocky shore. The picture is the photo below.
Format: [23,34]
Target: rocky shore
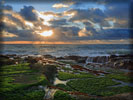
[69,75]
[112,61]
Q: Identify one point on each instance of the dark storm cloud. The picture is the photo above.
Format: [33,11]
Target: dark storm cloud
[108,34]
[66,31]
[95,15]
[92,30]
[87,24]
[115,34]
[87,14]
[16,20]
[28,13]
[58,22]
[120,13]
[16,31]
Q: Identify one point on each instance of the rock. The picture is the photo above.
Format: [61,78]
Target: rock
[49,57]
[4,57]
[31,60]
[78,59]
[77,67]
[60,58]
[82,60]
[72,57]
[68,66]
[5,60]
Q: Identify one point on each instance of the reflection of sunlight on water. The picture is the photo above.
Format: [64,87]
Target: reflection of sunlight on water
[57,81]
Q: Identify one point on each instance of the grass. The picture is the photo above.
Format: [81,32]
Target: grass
[67,69]
[65,87]
[93,86]
[17,81]
[23,95]
[121,77]
[16,69]
[66,76]
[117,90]
[60,95]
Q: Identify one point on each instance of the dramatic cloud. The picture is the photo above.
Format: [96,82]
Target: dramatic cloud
[28,13]
[66,32]
[84,33]
[118,13]
[73,24]
[58,22]
[89,14]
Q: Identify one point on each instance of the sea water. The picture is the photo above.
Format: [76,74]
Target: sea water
[67,49]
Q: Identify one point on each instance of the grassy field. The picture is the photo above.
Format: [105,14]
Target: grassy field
[66,76]
[98,86]
[121,77]
[19,82]
[65,87]
[93,86]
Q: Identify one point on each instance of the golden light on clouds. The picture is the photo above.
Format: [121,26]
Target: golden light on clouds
[7,34]
[46,33]
[46,17]
[60,5]
[7,21]
[29,24]
[70,14]
[84,33]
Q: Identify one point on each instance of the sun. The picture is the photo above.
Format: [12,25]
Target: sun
[47,33]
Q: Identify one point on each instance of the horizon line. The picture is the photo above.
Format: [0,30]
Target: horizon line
[44,42]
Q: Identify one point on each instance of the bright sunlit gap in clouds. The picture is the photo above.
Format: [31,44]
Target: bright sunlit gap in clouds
[29,23]
[46,18]
[46,33]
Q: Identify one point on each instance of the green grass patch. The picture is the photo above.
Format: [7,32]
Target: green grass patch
[23,95]
[121,77]
[117,90]
[66,76]
[18,79]
[65,87]
[60,95]
[16,69]
[91,86]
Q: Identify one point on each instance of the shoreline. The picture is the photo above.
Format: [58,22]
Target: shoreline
[112,61]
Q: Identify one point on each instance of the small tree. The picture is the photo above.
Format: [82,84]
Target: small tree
[50,71]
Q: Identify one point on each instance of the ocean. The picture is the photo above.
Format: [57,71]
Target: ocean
[67,49]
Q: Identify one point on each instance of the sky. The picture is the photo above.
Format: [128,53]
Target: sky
[73,21]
